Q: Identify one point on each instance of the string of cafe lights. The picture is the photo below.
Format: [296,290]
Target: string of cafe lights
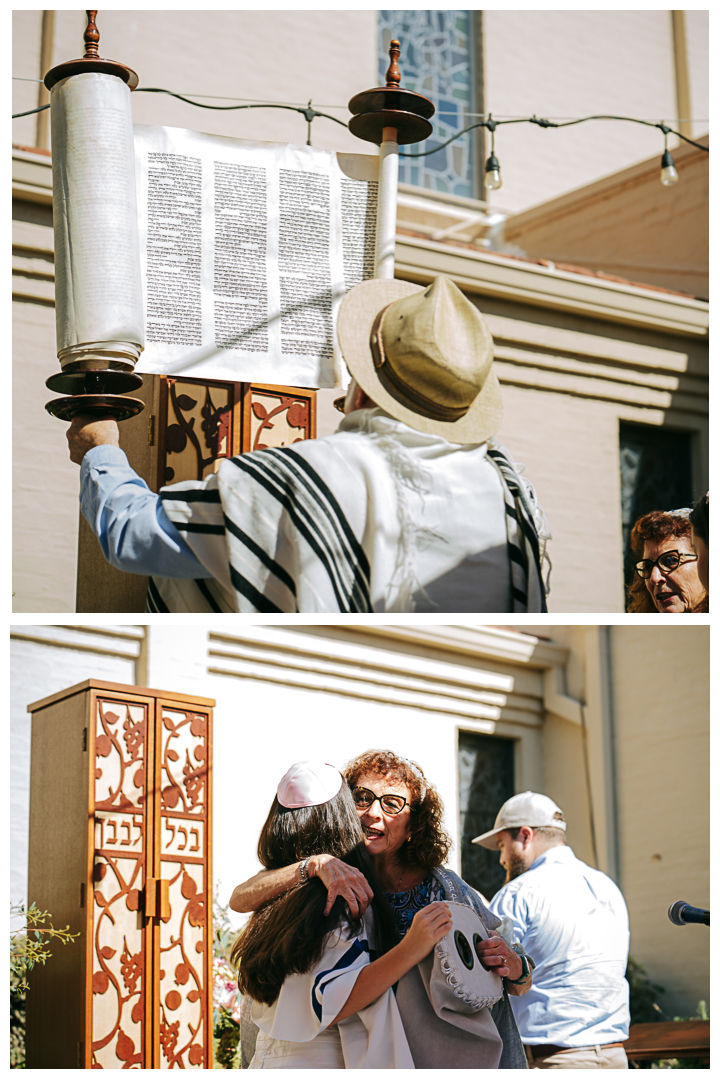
[493,177]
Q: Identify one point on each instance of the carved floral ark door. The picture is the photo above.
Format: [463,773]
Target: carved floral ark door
[150,946]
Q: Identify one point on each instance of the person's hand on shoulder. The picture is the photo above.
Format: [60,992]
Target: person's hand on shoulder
[341,880]
[87,431]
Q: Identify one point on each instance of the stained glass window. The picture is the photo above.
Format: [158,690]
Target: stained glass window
[437,61]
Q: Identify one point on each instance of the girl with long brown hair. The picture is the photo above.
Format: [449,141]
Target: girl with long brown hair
[321,983]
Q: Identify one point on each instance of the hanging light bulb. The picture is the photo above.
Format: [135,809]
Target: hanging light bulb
[493,179]
[668,172]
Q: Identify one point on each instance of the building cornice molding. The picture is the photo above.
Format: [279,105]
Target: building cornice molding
[111,640]
[489,642]
[367,667]
[31,176]
[419,259]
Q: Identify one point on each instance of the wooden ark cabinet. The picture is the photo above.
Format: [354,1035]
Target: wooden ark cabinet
[120,828]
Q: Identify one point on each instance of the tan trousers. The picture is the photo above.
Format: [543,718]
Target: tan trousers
[586,1057]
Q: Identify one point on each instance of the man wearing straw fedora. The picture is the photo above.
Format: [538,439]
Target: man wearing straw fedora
[410,506]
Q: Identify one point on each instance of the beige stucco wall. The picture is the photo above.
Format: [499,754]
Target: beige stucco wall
[663,784]
[697,36]
[26,26]
[251,56]
[569,446]
[45,481]
[628,225]
[570,64]
[646,692]
[551,63]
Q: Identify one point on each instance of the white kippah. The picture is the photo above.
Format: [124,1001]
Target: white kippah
[308,783]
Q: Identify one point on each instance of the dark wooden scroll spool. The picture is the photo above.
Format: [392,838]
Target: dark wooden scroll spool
[91,61]
[391,106]
[94,391]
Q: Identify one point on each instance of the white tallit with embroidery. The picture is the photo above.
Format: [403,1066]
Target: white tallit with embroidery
[377,517]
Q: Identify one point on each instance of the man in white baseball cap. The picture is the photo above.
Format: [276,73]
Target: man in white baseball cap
[573,921]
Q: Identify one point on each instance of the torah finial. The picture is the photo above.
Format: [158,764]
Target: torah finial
[392,75]
[91,37]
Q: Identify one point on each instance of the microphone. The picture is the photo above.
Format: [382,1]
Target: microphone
[681,913]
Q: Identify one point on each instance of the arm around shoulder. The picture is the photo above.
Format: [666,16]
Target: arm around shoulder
[264,886]
[337,877]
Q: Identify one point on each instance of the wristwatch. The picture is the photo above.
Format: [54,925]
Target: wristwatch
[525,971]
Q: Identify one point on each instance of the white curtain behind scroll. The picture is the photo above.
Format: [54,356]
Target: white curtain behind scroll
[98,291]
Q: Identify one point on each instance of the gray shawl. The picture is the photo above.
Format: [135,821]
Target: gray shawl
[452,887]
[447,886]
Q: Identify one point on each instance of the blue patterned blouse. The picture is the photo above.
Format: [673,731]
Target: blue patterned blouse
[406,904]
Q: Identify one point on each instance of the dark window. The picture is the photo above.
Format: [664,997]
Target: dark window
[655,474]
[486,781]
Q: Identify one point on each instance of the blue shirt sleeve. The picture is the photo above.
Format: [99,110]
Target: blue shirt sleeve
[510,903]
[128,519]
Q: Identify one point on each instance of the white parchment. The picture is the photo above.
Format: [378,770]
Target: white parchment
[98,292]
[246,250]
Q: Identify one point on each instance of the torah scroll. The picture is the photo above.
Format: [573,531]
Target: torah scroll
[215,258]
[98,292]
[247,249]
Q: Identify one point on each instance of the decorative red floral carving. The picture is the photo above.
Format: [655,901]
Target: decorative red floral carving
[196,1055]
[131,968]
[168,1036]
[124,1047]
[134,736]
[196,907]
[194,781]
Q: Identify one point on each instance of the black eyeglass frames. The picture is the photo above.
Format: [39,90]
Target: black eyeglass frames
[667,562]
[390,804]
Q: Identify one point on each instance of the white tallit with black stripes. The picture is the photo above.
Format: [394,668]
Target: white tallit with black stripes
[377,517]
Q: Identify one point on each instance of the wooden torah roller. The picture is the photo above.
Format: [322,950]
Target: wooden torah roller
[96,392]
[391,106]
[470,987]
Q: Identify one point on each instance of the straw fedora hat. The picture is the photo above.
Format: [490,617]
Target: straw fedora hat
[423,354]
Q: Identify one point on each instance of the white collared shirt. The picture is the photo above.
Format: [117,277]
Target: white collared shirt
[573,921]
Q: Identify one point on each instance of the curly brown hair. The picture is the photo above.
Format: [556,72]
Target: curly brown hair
[287,934]
[655,527]
[429,844]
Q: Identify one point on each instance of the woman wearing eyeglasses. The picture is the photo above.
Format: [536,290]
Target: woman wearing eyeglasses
[401,817]
[666,573]
[321,984]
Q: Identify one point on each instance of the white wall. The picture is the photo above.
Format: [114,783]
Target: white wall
[259,56]
[697,33]
[45,660]
[571,64]
[552,63]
